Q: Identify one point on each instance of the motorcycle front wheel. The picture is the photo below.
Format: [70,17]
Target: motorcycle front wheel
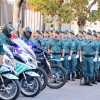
[43,77]
[10,91]
[30,88]
[56,77]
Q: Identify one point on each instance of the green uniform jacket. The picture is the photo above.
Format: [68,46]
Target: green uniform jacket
[56,45]
[1,48]
[75,44]
[89,48]
[67,45]
[5,40]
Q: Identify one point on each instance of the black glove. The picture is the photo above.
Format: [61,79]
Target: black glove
[12,49]
[34,46]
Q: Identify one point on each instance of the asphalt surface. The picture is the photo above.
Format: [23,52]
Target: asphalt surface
[71,91]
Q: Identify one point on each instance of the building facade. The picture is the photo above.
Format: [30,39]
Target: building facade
[35,19]
[28,18]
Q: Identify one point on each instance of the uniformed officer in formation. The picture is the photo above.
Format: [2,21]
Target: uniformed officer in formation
[75,55]
[68,52]
[98,34]
[46,38]
[80,40]
[88,55]
[39,40]
[96,64]
[56,47]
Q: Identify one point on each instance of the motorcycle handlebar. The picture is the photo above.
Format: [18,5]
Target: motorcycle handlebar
[43,49]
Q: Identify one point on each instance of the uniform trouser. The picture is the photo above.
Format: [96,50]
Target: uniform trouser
[72,64]
[88,66]
[65,63]
[96,68]
[58,57]
[78,65]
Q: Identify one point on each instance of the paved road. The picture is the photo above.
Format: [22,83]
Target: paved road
[71,91]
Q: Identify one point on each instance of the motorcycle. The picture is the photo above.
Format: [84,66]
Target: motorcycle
[29,81]
[56,79]
[9,84]
[56,74]
[32,62]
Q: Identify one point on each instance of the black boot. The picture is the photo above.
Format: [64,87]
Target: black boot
[98,78]
[73,77]
[77,75]
[85,81]
[90,81]
[68,76]
[95,80]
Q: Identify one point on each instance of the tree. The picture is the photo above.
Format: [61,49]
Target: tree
[82,11]
[17,7]
[54,8]
[65,10]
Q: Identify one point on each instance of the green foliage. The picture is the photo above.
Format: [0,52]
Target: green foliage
[67,11]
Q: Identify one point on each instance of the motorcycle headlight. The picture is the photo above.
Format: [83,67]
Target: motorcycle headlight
[7,62]
[41,58]
[10,63]
[32,61]
[50,56]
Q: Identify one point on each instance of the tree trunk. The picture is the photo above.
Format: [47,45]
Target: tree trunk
[17,7]
[81,22]
[81,27]
[58,22]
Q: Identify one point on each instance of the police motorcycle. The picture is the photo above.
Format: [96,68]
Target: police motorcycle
[9,84]
[32,60]
[30,83]
[56,74]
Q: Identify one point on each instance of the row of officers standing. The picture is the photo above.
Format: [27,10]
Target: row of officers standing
[69,49]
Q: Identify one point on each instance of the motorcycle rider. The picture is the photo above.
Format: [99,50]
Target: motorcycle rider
[5,38]
[38,41]
[26,37]
[5,35]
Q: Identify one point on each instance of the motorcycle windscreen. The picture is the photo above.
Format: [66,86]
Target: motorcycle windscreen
[23,46]
[7,51]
